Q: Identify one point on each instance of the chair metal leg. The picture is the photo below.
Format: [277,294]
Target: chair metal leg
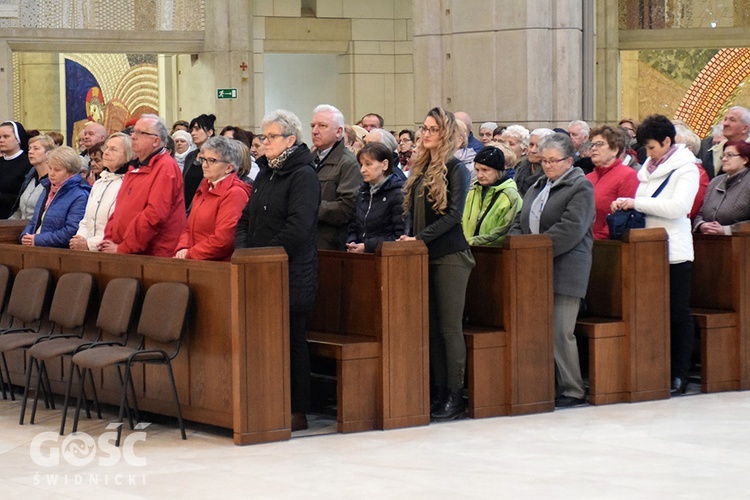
[123,403]
[32,361]
[67,397]
[78,401]
[45,381]
[96,397]
[176,400]
[135,401]
[7,376]
[2,383]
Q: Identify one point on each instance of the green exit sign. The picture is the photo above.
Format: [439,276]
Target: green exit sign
[226,93]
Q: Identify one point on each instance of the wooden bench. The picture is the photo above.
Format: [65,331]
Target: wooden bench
[720,298]
[371,317]
[233,368]
[509,329]
[627,332]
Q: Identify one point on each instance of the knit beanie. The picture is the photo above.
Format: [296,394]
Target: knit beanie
[492,157]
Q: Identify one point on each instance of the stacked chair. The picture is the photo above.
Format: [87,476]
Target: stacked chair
[156,339]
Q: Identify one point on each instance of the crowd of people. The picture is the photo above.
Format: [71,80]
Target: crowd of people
[190,193]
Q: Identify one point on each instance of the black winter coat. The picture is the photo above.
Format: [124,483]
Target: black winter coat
[379,217]
[283,211]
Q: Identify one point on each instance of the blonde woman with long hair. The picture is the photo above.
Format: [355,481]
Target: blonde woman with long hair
[434,200]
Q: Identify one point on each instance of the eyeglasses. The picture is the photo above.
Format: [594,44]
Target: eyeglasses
[730,155]
[598,144]
[404,141]
[429,130]
[211,161]
[271,137]
[139,133]
[552,162]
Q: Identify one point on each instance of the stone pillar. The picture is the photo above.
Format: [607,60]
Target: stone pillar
[607,68]
[6,81]
[500,60]
[228,48]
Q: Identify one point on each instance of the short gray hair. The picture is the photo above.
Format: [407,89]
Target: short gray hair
[338,116]
[385,138]
[744,114]
[541,132]
[561,142]
[228,149]
[160,125]
[687,137]
[519,133]
[289,122]
[584,126]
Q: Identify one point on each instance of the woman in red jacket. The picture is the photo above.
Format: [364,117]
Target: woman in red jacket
[611,178]
[217,204]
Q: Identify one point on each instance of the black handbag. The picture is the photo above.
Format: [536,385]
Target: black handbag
[623,220]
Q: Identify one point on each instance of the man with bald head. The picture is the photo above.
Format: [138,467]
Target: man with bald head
[473,142]
[94,134]
[149,212]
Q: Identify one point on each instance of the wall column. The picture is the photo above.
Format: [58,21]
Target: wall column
[228,44]
[6,81]
[502,60]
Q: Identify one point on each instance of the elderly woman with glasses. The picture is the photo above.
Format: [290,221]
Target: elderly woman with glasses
[561,205]
[217,205]
[611,178]
[434,200]
[727,200]
[283,211]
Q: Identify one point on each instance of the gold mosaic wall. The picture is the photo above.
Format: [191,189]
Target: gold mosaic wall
[137,15]
[696,86]
[657,14]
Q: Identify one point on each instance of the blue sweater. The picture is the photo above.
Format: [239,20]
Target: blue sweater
[60,221]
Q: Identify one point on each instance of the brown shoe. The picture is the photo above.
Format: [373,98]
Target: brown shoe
[299,422]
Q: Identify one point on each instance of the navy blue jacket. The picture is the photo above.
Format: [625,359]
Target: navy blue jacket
[60,221]
[379,217]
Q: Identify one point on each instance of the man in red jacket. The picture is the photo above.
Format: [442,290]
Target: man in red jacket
[150,209]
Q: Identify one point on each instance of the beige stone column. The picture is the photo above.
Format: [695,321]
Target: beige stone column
[500,60]
[608,63]
[228,47]
[6,81]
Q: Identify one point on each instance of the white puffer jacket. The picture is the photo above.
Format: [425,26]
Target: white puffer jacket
[671,208]
[100,206]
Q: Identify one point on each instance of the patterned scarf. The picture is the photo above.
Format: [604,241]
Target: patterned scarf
[278,162]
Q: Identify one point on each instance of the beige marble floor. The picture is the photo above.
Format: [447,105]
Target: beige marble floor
[689,447]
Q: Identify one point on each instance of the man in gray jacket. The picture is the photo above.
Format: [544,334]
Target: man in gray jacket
[339,176]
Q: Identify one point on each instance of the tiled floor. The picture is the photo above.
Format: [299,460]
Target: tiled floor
[688,447]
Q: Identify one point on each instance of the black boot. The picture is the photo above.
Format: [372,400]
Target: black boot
[437,398]
[452,408]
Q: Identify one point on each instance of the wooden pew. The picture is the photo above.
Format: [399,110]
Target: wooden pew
[233,368]
[628,330]
[720,298]
[509,329]
[371,317]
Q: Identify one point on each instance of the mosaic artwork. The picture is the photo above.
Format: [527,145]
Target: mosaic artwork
[696,86]
[659,14]
[711,92]
[160,15]
[109,89]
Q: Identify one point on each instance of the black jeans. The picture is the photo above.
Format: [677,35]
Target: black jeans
[681,320]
